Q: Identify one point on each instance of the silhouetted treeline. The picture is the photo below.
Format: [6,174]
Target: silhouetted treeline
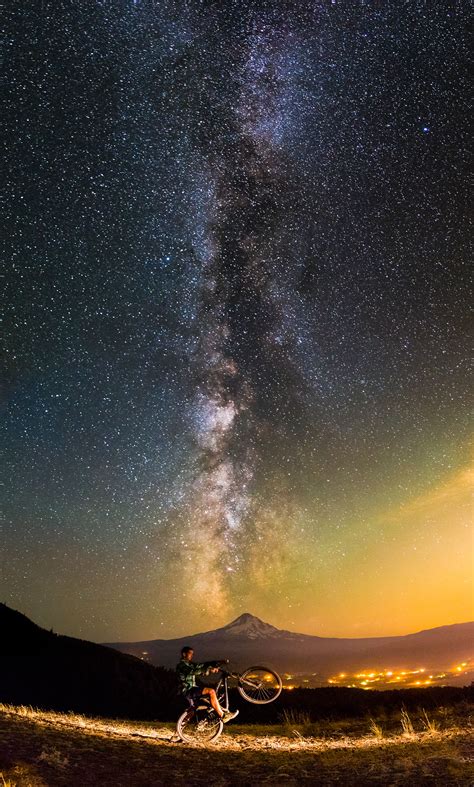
[43,669]
[335,702]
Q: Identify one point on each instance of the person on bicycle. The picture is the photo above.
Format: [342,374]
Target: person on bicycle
[187,669]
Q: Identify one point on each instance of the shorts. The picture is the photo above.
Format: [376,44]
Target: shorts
[193,695]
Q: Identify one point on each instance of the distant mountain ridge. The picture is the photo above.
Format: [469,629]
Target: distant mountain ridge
[247,639]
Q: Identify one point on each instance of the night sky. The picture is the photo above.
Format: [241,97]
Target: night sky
[236,316]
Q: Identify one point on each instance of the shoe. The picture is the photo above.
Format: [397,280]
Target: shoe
[229,715]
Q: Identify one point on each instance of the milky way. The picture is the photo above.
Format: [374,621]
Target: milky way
[236,309]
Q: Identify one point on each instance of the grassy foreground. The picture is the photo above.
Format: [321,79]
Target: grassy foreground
[45,749]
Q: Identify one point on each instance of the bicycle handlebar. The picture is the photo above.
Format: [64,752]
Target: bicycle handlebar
[217,663]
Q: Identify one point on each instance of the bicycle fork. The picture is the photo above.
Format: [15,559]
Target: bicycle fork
[224,696]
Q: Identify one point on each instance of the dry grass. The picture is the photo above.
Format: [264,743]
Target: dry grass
[39,748]
[296,721]
[375,728]
[430,725]
[407,724]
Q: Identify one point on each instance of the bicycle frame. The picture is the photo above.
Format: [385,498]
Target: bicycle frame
[222,688]
[222,691]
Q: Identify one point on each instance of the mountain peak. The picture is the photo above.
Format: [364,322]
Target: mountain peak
[247,625]
[246,617]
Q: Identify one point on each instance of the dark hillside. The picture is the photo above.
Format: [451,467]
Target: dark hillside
[38,667]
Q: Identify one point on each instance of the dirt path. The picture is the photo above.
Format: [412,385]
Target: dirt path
[49,750]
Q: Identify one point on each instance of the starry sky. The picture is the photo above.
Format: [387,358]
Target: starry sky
[236,331]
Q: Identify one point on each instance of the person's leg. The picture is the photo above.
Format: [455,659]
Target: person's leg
[213,700]
[192,696]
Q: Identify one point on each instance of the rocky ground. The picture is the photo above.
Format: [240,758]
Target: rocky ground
[39,749]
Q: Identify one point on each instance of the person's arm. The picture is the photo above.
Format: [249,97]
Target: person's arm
[197,668]
[186,668]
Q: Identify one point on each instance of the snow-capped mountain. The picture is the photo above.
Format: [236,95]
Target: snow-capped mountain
[248,640]
[250,627]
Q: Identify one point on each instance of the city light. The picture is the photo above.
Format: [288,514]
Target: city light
[381,678]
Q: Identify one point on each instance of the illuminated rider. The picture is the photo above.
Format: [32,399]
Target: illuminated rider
[187,670]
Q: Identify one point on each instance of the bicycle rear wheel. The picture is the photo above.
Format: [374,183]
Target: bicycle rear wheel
[199,726]
[260,685]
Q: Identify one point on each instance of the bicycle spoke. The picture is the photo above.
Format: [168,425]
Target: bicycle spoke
[260,685]
[200,728]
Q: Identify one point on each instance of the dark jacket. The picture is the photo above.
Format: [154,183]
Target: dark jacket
[187,671]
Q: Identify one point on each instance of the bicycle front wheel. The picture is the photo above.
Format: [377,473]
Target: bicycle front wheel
[260,685]
[199,726]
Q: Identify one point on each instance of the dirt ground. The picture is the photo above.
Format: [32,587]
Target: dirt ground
[41,749]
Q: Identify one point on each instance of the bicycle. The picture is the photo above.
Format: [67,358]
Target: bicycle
[258,685]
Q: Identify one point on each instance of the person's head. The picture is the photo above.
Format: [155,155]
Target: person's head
[187,653]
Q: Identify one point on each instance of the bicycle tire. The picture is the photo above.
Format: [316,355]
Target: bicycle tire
[199,726]
[267,685]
